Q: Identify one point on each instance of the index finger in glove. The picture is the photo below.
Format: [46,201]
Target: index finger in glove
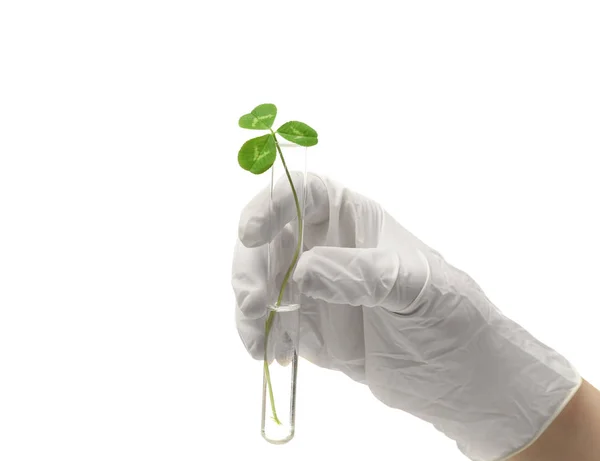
[363,277]
[266,215]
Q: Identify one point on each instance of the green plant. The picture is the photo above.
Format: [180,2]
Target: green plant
[257,155]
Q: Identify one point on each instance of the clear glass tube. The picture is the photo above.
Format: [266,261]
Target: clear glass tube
[280,366]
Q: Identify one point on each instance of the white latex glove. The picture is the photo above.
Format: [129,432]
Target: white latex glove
[390,312]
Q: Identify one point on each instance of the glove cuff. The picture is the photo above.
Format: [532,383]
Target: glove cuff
[527,387]
[548,422]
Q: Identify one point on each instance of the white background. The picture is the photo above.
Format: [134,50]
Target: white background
[474,123]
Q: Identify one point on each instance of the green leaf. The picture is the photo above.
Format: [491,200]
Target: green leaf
[298,133]
[261,117]
[258,154]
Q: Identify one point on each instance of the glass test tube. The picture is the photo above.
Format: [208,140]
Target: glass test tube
[280,365]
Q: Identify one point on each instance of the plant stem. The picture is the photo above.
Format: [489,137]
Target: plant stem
[266,369]
[271,316]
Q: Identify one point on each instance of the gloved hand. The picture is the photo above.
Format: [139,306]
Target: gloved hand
[382,307]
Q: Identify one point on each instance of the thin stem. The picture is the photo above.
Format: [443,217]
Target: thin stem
[271,316]
[299,214]
[266,368]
